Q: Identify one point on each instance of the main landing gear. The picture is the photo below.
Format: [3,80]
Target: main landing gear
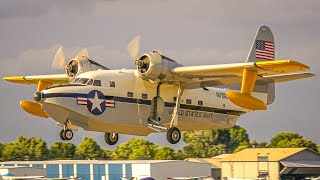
[111,138]
[173,135]
[66,134]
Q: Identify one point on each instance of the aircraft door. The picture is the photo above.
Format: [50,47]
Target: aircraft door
[157,109]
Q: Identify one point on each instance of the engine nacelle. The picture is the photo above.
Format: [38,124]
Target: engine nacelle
[154,66]
[81,65]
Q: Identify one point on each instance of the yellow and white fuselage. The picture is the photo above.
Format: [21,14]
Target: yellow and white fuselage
[129,105]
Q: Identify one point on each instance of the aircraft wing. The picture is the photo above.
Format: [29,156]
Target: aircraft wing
[223,74]
[52,79]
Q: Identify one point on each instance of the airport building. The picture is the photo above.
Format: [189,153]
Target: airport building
[15,171]
[254,163]
[271,163]
[215,164]
[116,170]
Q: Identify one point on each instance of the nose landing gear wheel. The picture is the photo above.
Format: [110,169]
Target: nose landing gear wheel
[111,138]
[66,134]
[173,135]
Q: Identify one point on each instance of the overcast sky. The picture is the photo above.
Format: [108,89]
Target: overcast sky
[192,32]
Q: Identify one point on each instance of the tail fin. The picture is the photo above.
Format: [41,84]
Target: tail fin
[263,46]
[263,49]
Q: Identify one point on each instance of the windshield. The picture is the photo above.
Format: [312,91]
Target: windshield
[87,81]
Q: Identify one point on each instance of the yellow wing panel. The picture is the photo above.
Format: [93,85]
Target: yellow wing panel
[220,70]
[231,70]
[16,79]
[223,74]
[51,79]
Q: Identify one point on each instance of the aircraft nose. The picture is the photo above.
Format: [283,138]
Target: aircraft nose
[38,96]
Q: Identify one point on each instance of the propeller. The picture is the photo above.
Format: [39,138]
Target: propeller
[134,47]
[83,53]
[59,60]
[139,87]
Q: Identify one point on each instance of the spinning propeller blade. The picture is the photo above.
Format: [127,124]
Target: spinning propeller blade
[134,47]
[83,53]
[59,60]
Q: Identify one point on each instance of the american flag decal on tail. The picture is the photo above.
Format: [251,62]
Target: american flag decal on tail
[264,50]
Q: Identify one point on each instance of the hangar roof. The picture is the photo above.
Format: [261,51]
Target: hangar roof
[214,161]
[273,154]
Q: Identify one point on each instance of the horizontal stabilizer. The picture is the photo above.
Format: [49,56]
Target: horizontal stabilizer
[288,77]
[282,66]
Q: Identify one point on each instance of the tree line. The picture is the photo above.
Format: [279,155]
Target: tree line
[199,144]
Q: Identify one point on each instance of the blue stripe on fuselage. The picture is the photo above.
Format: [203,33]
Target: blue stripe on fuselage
[115,98]
[147,102]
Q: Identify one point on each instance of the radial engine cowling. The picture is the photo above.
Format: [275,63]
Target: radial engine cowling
[154,66]
[81,65]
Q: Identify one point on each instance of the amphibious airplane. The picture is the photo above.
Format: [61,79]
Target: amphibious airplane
[161,95]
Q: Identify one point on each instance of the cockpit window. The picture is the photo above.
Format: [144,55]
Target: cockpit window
[87,81]
[83,81]
[75,80]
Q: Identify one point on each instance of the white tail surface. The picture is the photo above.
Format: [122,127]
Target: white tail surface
[263,46]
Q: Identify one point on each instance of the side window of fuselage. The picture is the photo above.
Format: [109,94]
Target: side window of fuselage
[97,82]
[112,84]
[144,96]
[188,101]
[130,94]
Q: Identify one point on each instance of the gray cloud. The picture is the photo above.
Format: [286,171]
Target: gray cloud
[13,9]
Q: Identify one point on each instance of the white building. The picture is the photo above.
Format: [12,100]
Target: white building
[16,171]
[116,170]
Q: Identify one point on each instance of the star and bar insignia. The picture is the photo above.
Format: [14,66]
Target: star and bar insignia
[96,102]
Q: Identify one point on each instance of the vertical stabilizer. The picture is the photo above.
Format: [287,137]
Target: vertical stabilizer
[262,49]
[263,46]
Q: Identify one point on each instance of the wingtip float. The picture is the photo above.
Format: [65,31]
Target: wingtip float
[33,108]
